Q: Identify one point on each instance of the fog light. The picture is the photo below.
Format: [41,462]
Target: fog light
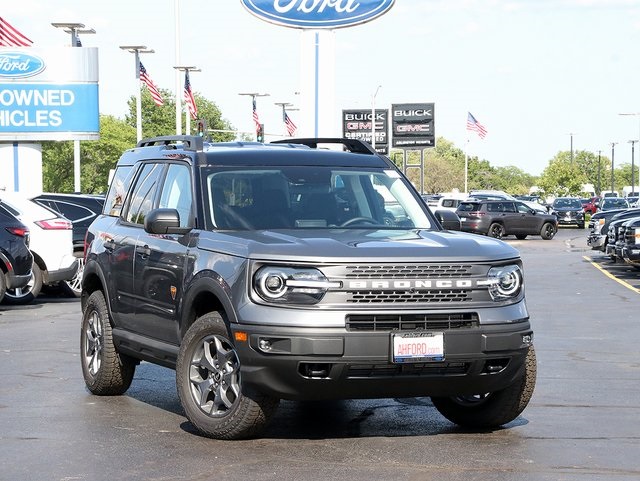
[265,345]
[527,339]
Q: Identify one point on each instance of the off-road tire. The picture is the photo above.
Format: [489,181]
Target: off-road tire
[209,384]
[106,372]
[548,231]
[491,410]
[28,293]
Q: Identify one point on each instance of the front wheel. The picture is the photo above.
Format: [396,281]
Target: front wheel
[209,384]
[105,371]
[491,410]
[548,231]
[496,230]
[73,287]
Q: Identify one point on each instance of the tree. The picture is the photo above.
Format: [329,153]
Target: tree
[98,157]
[161,120]
[562,177]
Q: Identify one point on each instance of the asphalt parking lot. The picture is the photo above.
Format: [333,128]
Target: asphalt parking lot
[583,422]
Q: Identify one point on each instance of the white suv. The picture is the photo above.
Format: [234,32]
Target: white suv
[51,245]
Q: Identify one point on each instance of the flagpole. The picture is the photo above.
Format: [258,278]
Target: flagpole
[137,50]
[466,167]
[187,116]
[176,17]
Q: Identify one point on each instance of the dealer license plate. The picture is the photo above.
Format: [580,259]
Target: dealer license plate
[418,347]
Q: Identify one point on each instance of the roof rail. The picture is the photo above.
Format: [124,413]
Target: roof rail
[353,145]
[191,142]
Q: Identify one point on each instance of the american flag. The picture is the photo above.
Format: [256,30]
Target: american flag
[291,127]
[256,120]
[188,96]
[153,90]
[10,37]
[473,124]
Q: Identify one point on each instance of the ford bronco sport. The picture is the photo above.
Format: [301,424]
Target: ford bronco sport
[262,272]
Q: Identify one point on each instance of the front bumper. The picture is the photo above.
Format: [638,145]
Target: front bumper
[596,241]
[333,363]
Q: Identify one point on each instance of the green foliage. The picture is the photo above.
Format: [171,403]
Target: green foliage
[98,157]
[563,177]
[161,120]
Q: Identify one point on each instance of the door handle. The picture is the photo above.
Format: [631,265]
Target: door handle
[109,246]
[144,251]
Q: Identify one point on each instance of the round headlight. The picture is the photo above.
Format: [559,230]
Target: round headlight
[272,284]
[505,281]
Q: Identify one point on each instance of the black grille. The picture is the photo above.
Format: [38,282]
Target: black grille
[408,271]
[410,322]
[396,370]
[408,296]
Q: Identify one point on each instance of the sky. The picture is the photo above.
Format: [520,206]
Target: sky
[538,74]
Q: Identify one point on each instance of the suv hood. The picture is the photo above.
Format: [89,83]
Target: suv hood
[357,245]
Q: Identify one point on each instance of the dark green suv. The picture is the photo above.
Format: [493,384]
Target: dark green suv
[262,272]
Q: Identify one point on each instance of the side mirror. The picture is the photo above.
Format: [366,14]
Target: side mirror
[164,221]
[448,219]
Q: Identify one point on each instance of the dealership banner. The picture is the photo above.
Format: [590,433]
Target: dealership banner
[49,94]
[412,125]
[356,124]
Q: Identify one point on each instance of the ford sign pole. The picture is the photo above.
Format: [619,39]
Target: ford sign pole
[74,29]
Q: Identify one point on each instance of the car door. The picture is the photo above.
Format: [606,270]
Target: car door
[509,216]
[526,222]
[123,245]
[160,259]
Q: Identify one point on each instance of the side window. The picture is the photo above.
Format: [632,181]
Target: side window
[176,192]
[509,207]
[118,190]
[523,209]
[143,193]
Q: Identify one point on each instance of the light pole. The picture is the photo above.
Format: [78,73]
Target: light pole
[599,167]
[373,117]
[571,134]
[74,29]
[187,118]
[636,114]
[613,150]
[136,50]
[256,119]
[633,185]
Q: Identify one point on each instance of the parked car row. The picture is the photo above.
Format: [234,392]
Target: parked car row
[42,243]
[617,234]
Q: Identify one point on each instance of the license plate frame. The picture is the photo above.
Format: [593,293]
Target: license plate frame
[417,346]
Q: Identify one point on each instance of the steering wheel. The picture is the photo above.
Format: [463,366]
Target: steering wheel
[356,220]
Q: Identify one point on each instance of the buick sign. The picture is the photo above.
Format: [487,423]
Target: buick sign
[313,14]
[19,65]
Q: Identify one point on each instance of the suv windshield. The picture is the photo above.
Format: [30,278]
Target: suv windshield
[289,197]
[567,204]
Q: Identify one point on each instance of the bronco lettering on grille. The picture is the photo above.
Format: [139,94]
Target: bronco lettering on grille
[414,284]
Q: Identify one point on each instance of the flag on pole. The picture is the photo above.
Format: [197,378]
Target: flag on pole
[256,120]
[474,125]
[10,37]
[153,90]
[291,127]
[188,96]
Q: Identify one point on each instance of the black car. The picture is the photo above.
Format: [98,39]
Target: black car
[15,258]
[631,243]
[500,218]
[80,209]
[569,211]
[262,272]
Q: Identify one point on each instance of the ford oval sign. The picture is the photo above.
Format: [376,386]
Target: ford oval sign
[313,14]
[18,65]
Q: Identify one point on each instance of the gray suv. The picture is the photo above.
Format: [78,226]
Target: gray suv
[262,272]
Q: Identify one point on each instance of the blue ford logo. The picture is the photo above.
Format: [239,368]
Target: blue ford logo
[18,64]
[318,13]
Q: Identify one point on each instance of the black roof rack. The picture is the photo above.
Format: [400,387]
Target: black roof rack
[191,142]
[353,145]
